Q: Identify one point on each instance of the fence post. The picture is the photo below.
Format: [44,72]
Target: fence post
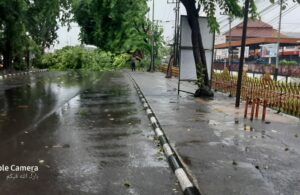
[252,109]
[257,107]
[280,100]
[246,107]
[264,110]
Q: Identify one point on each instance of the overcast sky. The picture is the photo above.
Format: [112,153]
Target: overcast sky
[164,12]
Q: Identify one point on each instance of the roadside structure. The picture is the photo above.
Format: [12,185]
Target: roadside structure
[259,34]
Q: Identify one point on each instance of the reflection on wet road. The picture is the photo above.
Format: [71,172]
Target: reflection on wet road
[86,132]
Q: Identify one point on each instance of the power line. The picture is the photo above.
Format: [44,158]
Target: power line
[274,20]
[262,12]
[291,23]
[268,8]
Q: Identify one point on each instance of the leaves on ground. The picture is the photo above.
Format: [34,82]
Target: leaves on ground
[127,184]
[286,149]
[160,158]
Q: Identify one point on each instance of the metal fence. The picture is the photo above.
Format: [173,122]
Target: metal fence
[282,96]
[290,71]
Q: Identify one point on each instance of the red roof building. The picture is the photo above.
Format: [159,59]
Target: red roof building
[256,29]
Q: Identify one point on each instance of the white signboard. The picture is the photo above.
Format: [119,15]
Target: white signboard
[187,62]
[221,53]
[269,50]
[219,39]
[187,65]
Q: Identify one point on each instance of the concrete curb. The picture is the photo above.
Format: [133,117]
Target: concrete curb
[10,75]
[186,185]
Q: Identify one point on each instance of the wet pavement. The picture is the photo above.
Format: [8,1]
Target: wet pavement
[225,153]
[87,133]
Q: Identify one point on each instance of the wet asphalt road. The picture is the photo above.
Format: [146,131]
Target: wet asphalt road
[86,132]
[227,154]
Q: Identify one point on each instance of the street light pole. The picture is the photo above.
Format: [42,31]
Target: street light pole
[241,64]
[278,42]
[152,41]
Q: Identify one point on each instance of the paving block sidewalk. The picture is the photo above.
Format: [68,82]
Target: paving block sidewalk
[226,153]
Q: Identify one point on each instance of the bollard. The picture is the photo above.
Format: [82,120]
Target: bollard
[252,109]
[246,107]
[264,110]
[257,108]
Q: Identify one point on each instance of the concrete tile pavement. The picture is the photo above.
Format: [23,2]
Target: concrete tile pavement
[226,153]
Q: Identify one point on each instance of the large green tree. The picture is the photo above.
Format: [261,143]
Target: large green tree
[43,17]
[28,22]
[113,25]
[12,28]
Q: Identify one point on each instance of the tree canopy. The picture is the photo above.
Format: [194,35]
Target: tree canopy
[113,25]
[25,24]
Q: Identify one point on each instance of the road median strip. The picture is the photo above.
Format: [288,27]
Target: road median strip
[185,183]
[4,76]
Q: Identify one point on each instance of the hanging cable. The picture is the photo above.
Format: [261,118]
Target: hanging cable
[275,19]
[262,12]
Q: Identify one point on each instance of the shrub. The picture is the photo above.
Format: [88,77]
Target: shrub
[288,63]
[81,58]
[121,61]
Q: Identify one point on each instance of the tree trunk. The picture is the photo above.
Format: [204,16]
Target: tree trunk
[7,55]
[198,49]
[27,58]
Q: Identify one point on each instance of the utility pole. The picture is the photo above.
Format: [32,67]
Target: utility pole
[229,41]
[230,51]
[241,64]
[176,43]
[152,42]
[278,42]
[176,38]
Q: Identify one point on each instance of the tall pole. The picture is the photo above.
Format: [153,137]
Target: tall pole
[241,64]
[175,33]
[230,52]
[152,42]
[278,42]
[176,41]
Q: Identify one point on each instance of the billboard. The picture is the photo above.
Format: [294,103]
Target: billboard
[221,53]
[186,57]
[269,50]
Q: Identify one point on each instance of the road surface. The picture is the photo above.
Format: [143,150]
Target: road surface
[78,133]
